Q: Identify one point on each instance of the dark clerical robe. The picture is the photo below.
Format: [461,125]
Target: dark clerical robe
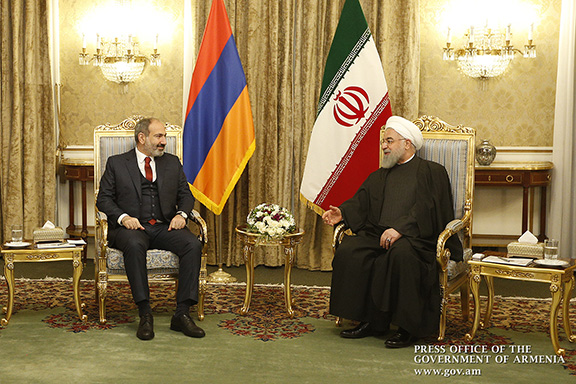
[399,285]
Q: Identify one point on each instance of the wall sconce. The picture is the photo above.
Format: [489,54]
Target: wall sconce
[119,59]
[488,52]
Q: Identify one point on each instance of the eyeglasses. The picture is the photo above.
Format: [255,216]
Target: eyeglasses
[389,141]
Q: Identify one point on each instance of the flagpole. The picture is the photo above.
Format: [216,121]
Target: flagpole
[220,276]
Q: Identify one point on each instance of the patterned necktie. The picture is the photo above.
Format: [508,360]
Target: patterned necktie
[148,169]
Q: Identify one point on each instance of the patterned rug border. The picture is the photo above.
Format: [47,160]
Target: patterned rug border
[274,285]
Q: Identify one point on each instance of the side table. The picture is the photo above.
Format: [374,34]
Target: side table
[561,283]
[82,171]
[525,175]
[249,241]
[32,254]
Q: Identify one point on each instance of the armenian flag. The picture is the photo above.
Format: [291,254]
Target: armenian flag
[219,130]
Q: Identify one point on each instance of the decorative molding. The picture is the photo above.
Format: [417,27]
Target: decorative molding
[130,124]
[434,124]
[523,275]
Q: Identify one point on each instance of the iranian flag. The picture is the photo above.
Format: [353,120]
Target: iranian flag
[353,106]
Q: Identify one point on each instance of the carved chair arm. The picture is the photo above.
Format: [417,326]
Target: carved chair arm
[453,227]
[339,231]
[101,231]
[196,218]
[102,227]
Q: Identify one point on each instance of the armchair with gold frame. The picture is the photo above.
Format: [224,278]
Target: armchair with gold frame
[454,148]
[109,263]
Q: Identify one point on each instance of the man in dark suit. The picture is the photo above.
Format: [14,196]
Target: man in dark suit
[146,197]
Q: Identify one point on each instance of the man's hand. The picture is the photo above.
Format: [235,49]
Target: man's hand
[332,216]
[177,222]
[131,223]
[389,237]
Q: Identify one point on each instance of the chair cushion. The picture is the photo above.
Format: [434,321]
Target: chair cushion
[456,268]
[452,154]
[158,261]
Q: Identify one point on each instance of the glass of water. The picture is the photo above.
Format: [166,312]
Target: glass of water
[551,249]
[17,234]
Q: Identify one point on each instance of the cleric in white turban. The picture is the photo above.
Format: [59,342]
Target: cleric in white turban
[387,274]
[406,129]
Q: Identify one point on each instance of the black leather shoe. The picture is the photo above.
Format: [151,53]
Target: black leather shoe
[185,324]
[400,339]
[146,327]
[358,332]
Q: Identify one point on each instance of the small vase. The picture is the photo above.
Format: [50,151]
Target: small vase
[485,153]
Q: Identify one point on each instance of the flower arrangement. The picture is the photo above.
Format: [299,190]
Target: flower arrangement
[271,220]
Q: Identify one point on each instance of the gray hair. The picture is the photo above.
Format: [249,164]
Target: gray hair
[142,127]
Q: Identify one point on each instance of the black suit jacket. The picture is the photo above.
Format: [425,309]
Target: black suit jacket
[121,188]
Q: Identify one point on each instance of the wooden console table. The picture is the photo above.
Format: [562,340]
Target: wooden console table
[82,171]
[528,176]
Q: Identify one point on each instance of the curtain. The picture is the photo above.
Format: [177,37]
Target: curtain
[27,163]
[283,46]
[562,218]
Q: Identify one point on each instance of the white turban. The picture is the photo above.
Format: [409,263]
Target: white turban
[406,129]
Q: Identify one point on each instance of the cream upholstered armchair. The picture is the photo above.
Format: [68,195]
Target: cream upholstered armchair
[453,147]
[109,264]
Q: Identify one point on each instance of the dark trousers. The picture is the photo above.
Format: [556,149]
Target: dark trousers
[182,242]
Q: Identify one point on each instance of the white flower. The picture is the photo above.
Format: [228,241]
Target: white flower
[270,220]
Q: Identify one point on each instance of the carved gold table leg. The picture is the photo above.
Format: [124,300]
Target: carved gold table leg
[475,288]
[566,309]
[102,292]
[289,254]
[78,265]
[556,291]
[9,275]
[249,241]
[249,263]
[488,315]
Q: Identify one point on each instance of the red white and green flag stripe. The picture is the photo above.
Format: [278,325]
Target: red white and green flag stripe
[353,106]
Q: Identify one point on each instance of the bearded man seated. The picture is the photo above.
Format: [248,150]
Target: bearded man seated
[387,273]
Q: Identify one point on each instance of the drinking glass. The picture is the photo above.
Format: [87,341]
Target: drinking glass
[17,233]
[551,249]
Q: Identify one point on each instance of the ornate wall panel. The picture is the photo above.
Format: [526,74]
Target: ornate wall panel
[516,109]
[87,99]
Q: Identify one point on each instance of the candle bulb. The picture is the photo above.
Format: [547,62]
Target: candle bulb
[449,37]
[84,41]
[530,31]
[97,41]
[471,37]
[508,33]
[156,42]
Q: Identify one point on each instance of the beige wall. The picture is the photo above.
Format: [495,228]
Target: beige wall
[516,109]
[87,99]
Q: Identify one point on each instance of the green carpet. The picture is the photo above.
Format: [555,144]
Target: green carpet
[45,342]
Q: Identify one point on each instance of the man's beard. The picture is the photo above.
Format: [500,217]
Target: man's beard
[393,157]
[156,151]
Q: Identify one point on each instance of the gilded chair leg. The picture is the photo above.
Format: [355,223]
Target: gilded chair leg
[102,287]
[202,286]
[338,321]
[442,326]
[465,301]
[200,306]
